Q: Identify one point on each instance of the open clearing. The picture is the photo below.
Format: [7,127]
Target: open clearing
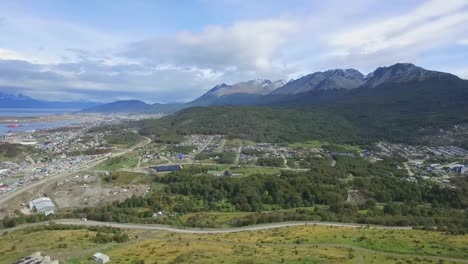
[298,244]
[90,189]
[320,144]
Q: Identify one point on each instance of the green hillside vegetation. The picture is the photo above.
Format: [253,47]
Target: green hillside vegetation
[114,163]
[60,241]
[119,135]
[388,198]
[122,178]
[14,151]
[399,112]
[260,124]
[300,244]
[221,158]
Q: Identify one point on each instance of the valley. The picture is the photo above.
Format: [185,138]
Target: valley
[317,172]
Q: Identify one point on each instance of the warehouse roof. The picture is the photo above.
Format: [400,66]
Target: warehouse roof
[43,205]
[168,168]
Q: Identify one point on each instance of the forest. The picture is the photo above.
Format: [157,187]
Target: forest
[260,124]
[387,197]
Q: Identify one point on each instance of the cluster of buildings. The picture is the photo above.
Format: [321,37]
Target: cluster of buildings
[198,141]
[251,153]
[420,152]
[38,258]
[60,141]
[448,168]
[150,156]
[14,175]
[418,165]
[215,145]
[448,151]
[440,173]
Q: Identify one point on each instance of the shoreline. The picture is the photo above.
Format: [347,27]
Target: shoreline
[44,118]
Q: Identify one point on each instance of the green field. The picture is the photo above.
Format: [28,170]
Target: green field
[301,244]
[238,142]
[21,243]
[122,178]
[247,171]
[321,144]
[244,170]
[309,144]
[10,180]
[129,160]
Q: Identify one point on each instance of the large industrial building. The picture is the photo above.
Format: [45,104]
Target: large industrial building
[42,205]
[167,168]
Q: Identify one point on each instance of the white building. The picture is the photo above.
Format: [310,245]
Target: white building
[101,258]
[42,205]
[37,258]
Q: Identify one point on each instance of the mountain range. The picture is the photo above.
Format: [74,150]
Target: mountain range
[22,101]
[399,103]
[316,88]
[402,82]
[238,93]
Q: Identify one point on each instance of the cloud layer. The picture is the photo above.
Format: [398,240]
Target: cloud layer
[58,59]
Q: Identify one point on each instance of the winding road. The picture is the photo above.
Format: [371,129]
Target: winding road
[188,230]
[153,227]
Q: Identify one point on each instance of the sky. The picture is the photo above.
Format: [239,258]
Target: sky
[174,51]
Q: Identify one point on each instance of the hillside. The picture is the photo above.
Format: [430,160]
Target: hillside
[127,106]
[263,124]
[295,244]
[240,93]
[393,103]
[396,110]
[318,81]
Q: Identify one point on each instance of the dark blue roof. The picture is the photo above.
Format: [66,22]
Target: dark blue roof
[337,154]
[167,168]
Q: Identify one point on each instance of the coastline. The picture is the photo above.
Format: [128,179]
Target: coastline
[43,118]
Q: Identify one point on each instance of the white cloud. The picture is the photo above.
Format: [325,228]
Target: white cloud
[58,57]
[45,39]
[432,21]
[250,45]
[460,72]
[6,54]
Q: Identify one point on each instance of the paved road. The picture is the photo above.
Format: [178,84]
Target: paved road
[238,153]
[285,161]
[187,230]
[221,146]
[407,167]
[10,195]
[204,146]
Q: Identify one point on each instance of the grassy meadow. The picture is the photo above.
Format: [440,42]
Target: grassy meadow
[300,244]
[129,160]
